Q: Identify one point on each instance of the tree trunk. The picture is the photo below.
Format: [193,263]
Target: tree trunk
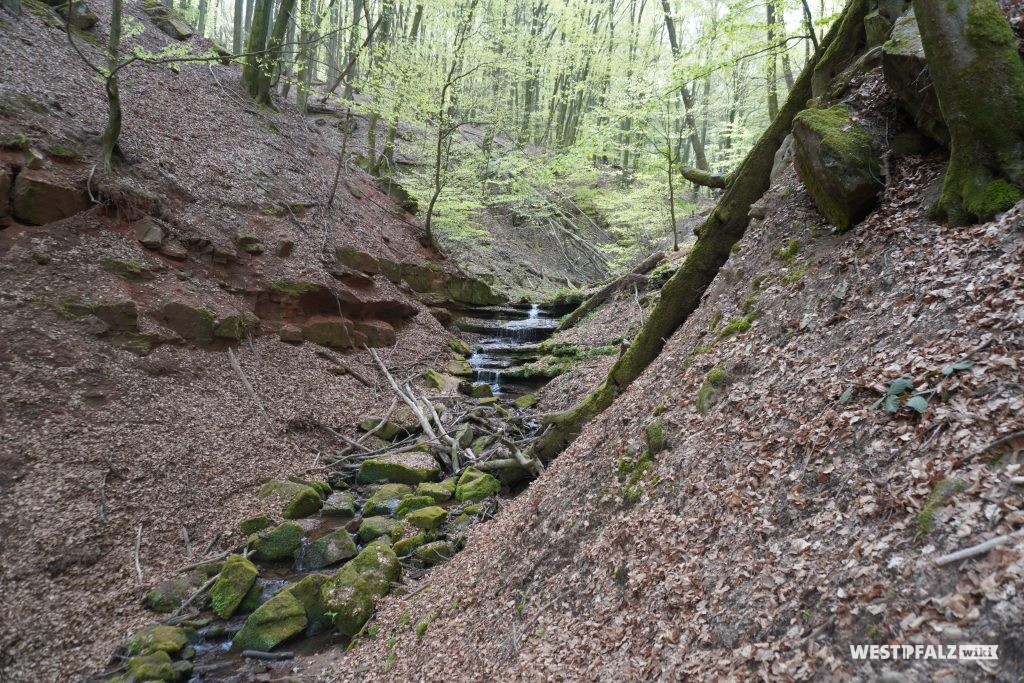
[684,93]
[306,59]
[979,79]
[259,68]
[113,129]
[201,22]
[681,295]
[236,29]
[773,89]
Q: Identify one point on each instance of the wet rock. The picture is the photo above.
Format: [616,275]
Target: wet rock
[377,332]
[439,491]
[254,524]
[152,667]
[385,499]
[405,546]
[275,621]
[476,485]
[299,500]
[168,20]
[189,322]
[349,596]
[906,72]
[340,504]
[402,468]
[278,543]
[410,503]
[428,518]
[525,401]
[359,260]
[458,346]
[149,233]
[839,163]
[169,639]
[373,528]
[237,576]
[325,551]
[460,367]
[434,553]
[40,198]
[308,592]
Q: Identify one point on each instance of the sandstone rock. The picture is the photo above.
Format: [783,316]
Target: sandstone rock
[340,504]
[174,250]
[467,290]
[118,316]
[327,550]
[290,334]
[406,545]
[385,499]
[237,576]
[188,321]
[277,620]
[839,163]
[249,244]
[299,500]
[39,198]
[401,468]
[168,20]
[434,553]
[168,595]
[308,592]
[906,73]
[475,485]
[437,491]
[428,518]
[359,260]
[372,528]
[234,326]
[411,503]
[152,667]
[278,543]
[338,334]
[77,15]
[222,255]
[481,391]
[284,247]
[391,270]
[349,596]
[424,279]
[254,524]
[159,638]
[377,332]
[460,367]
[150,233]
[525,401]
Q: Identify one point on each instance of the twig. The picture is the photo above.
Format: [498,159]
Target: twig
[323,353]
[138,543]
[192,598]
[213,541]
[248,387]
[185,539]
[267,656]
[979,549]
[341,437]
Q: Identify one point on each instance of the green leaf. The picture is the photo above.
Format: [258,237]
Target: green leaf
[962,365]
[918,403]
[846,395]
[900,385]
[891,404]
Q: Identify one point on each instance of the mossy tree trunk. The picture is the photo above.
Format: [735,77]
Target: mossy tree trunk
[979,79]
[260,65]
[715,238]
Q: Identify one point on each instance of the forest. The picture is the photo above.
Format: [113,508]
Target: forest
[358,340]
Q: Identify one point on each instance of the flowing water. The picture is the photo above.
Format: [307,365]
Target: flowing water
[508,339]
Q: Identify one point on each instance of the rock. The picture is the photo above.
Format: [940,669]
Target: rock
[481,391]
[290,334]
[300,500]
[5,194]
[654,433]
[234,326]
[284,247]
[359,260]
[119,316]
[783,158]
[249,243]
[276,620]
[467,290]
[159,638]
[389,431]
[405,546]
[340,504]
[223,255]
[377,332]
[410,503]
[152,667]
[385,499]
[423,279]
[434,553]
[460,367]
[458,346]
[373,528]
[838,162]
[168,595]
[278,543]
[79,15]
[188,321]
[906,73]
[475,485]
[401,468]
[351,276]
[349,596]
[149,233]
[441,315]
[173,249]
[307,592]
[465,436]
[434,379]
[40,198]
[401,195]
[489,401]
[438,492]
[428,518]
[327,550]
[252,600]
[338,334]
[525,401]
[237,576]
[168,20]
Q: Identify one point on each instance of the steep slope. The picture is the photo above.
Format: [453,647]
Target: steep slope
[787,518]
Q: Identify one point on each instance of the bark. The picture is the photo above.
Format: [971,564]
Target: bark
[706,178]
[723,228]
[684,93]
[259,68]
[968,43]
[773,88]
[306,59]
[236,29]
[112,86]
[201,22]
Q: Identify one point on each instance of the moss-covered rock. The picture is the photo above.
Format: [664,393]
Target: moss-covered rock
[299,500]
[466,290]
[255,524]
[278,543]
[152,667]
[252,600]
[234,326]
[168,595]
[389,431]
[525,401]
[434,553]
[460,347]
[236,578]
[359,260]
[327,550]
[385,499]
[481,391]
[188,321]
[168,20]
[402,468]
[276,620]
[405,546]
[412,503]
[427,518]
[434,379]
[349,596]
[160,638]
[437,491]
[373,528]
[906,73]
[475,485]
[339,504]
[839,164]
[40,198]
[424,279]
[711,388]
[654,433]
[460,367]
[307,591]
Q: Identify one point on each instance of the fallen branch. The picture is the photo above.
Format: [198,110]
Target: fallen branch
[975,550]
[324,353]
[138,544]
[267,656]
[248,387]
[706,178]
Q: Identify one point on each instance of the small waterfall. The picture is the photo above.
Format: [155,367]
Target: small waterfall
[506,343]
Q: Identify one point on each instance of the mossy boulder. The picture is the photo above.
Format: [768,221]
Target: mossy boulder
[40,198]
[839,164]
[475,485]
[460,367]
[481,391]
[152,667]
[168,595]
[654,434]
[336,334]
[350,595]
[467,290]
[434,553]
[237,576]
[278,619]
[252,599]
[434,379]
[373,528]
[525,401]
[339,504]
[278,543]
[402,468]
[906,73]
[160,638]
[427,518]
[188,321]
[385,499]
[424,279]
[299,500]
[168,20]
[405,546]
[437,491]
[234,326]
[411,503]
[307,591]
[460,347]
[327,550]
[359,260]
[255,524]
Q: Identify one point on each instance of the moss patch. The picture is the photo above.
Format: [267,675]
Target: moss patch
[939,496]
[237,576]
[710,388]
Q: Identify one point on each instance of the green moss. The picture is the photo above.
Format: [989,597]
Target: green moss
[403,469]
[789,252]
[839,132]
[16,142]
[350,594]
[939,496]
[796,273]
[152,667]
[292,287]
[655,434]
[716,317]
[237,576]
[992,198]
[63,152]
[437,491]
[412,503]
[427,518]
[385,499]
[710,388]
[278,543]
[126,268]
[373,528]
[736,326]
[275,621]
[406,546]
[475,485]
[421,628]
[158,638]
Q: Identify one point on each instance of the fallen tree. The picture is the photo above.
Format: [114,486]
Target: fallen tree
[715,238]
